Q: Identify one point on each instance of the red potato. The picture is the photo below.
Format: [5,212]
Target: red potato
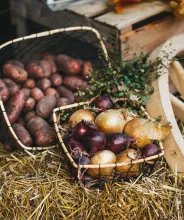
[68,65]
[30,104]
[27,92]
[37,94]
[35,124]
[53,92]
[46,66]
[4,92]
[29,84]
[15,106]
[86,68]
[15,73]
[43,84]
[74,83]
[8,147]
[66,93]
[20,121]
[23,135]
[16,63]
[45,106]
[56,80]
[12,86]
[62,102]
[51,59]
[35,71]
[29,115]
[46,136]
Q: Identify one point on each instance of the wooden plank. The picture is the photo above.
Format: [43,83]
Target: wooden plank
[132,14]
[176,74]
[91,10]
[150,36]
[178,107]
[160,104]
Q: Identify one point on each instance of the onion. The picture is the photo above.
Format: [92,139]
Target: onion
[110,121]
[145,131]
[117,142]
[80,115]
[102,157]
[74,147]
[84,160]
[95,141]
[82,128]
[103,103]
[150,150]
[128,170]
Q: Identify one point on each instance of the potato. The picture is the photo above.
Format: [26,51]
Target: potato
[62,102]
[37,94]
[27,92]
[30,104]
[4,92]
[51,59]
[68,65]
[46,66]
[15,73]
[29,115]
[15,106]
[74,83]
[8,147]
[45,136]
[29,84]
[16,63]
[53,92]
[35,124]
[22,134]
[66,93]
[12,86]
[56,80]
[20,121]
[43,84]
[35,71]
[86,68]
[45,106]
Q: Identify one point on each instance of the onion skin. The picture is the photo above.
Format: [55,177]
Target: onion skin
[150,150]
[134,129]
[117,142]
[80,115]
[110,121]
[84,160]
[103,103]
[74,147]
[95,141]
[102,157]
[82,128]
[128,170]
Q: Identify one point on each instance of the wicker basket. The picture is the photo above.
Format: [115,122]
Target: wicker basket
[147,164]
[78,42]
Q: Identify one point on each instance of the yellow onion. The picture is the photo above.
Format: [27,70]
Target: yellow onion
[145,131]
[80,115]
[102,157]
[110,121]
[126,157]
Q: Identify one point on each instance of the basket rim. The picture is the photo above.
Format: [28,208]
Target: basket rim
[44,34]
[141,160]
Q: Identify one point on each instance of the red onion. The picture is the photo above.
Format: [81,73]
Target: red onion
[117,142]
[150,150]
[74,147]
[84,160]
[95,141]
[82,128]
[103,103]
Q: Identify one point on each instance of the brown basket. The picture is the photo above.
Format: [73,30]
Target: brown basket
[73,41]
[145,162]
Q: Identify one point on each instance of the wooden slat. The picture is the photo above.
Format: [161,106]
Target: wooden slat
[151,35]
[178,107]
[91,10]
[132,14]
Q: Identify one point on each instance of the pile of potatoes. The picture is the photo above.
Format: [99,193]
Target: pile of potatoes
[30,93]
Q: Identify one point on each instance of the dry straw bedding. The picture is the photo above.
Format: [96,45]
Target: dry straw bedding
[39,189]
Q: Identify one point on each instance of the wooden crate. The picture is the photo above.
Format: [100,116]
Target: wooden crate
[147,24]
